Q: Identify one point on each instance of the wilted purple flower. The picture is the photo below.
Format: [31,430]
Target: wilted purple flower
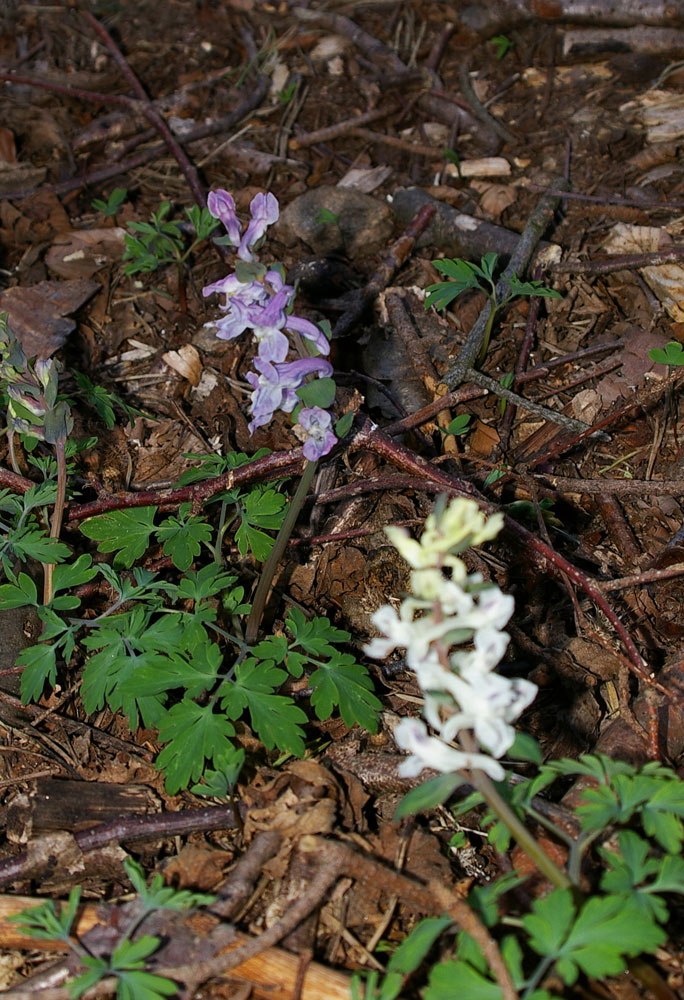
[275,385]
[222,206]
[317,423]
[28,397]
[310,332]
[265,211]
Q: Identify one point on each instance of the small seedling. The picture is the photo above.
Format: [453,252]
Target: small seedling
[126,963]
[459,425]
[153,244]
[672,354]
[113,203]
[501,45]
[287,93]
[325,215]
[465,276]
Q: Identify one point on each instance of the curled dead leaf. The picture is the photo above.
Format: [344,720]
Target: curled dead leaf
[186,361]
[496,198]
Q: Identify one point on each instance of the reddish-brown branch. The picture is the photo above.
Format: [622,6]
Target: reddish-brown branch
[11,481]
[277,465]
[253,99]
[150,112]
[372,439]
[618,262]
[118,100]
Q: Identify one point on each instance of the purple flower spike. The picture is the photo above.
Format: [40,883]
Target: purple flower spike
[222,206]
[275,385]
[265,211]
[317,423]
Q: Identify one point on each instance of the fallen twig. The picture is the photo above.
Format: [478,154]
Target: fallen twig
[618,262]
[528,240]
[129,829]
[253,99]
[478,108]
[356,302]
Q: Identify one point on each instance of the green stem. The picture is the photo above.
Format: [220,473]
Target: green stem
[488,331]
[57,515]
[519,832]
[269,568]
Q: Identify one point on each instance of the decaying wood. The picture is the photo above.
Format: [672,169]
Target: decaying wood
[63,804]
[501,15]
[273,973]
[456,233]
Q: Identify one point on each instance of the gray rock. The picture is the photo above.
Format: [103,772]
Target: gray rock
[363,223]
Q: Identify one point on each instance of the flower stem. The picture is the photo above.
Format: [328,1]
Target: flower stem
[57,515]
[519,832]
[276,554]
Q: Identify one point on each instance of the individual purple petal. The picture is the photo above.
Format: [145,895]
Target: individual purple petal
[293,373]
[249,291]
[265,211]
[273,345]
[267,395]
[222,206]
[235,322]
[267,324]
[275,280]
[317,423]
[310,332]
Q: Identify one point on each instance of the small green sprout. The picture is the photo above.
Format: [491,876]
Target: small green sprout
[153,244]
[287,93]
[501,45]
[459,425]
[325,215]
[672,354]
[113,203]
[465,276]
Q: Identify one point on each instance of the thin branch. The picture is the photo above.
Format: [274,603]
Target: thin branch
[617,262]
[529,238]
[150,112]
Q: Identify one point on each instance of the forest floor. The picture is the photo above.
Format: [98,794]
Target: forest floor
[355,115]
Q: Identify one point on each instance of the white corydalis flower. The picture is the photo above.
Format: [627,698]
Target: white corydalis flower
[461,688]
[428,751]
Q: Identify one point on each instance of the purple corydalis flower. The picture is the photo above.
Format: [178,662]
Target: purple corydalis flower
[318,425]
[222,206]
[265,210]
[276,384]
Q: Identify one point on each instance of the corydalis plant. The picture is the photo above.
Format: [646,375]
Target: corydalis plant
[467,705]
[33,409]
[257,299]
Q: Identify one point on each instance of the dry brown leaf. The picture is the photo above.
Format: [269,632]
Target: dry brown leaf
[496,198]
[186,361]
[8,150]
[484,439]
[38,314]
[80,253]
[666,280]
